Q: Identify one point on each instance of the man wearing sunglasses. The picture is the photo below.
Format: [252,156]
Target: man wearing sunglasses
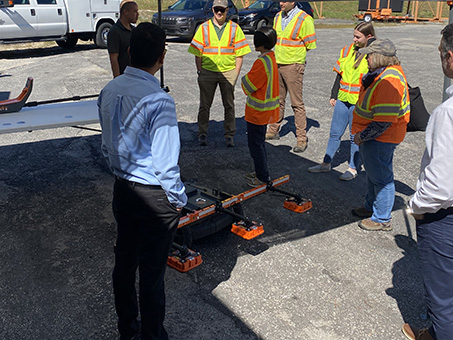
[219,46]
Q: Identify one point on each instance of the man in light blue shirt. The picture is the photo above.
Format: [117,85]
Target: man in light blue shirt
[140,141]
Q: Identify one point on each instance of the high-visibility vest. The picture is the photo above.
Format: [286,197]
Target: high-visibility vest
[294,41]
[385,100]
[261,85]
[351,77]
[219,55]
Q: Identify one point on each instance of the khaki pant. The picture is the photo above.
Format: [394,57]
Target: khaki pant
[291,80]
[207,82]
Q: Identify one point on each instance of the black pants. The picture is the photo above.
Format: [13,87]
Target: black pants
[146,226]
[256,135]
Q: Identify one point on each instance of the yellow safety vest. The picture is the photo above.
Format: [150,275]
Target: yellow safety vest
[219,55]
[351,77]
[294,41]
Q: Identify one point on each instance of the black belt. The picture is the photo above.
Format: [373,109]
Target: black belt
[437,216]
[136,184]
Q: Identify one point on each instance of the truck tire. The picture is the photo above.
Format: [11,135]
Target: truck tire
[261,23]
[101,34]
[69,42]
[367,18]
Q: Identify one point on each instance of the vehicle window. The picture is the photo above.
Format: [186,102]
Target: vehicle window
[259,5]
[22,2]
[190,5]
[46,2]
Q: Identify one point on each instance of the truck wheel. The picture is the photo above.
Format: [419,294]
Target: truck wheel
[69,42]
[367,18]
[261,23]
[101,35]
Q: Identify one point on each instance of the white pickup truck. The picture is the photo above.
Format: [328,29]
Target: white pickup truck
[64,21]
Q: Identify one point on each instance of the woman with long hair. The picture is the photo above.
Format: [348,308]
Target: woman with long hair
[350,68]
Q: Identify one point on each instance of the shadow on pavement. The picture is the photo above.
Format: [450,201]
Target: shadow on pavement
[58,230]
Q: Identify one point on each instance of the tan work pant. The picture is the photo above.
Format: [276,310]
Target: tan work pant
[291,80]
[207,82]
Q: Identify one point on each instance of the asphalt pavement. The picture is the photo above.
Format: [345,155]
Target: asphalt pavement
[310,276]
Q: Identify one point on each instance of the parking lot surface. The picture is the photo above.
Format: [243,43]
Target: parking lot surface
[310,276]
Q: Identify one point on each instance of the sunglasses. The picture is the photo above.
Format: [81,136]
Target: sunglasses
[219,9]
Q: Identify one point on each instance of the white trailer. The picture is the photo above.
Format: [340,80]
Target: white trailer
[64,21]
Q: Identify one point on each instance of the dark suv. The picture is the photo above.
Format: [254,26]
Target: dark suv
[262,13]
[183,17]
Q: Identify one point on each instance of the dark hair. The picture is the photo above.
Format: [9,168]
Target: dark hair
[147,44]
[446,43]
[127,6]
[265,36]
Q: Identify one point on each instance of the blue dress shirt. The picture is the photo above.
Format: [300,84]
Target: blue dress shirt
[140,135]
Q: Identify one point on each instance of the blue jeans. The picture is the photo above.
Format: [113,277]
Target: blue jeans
[377,158]
[435,249]
[342,117]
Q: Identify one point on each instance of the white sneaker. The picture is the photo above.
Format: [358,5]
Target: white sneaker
[319,168]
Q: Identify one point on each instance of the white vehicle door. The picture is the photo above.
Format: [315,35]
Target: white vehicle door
[18,21]
[80,18]
[52,19]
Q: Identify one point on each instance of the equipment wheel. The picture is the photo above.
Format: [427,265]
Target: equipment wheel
[101,34]
[367,18]
[261,23]
[69,42]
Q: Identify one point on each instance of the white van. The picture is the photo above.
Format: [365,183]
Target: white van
[64,21]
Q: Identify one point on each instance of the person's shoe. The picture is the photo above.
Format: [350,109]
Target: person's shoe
[319,168]
[250,175]
[348,175]
[229,142]
[414,333]
[370,225]
[202,140]
[300,147]
[254,182]
[272,136]
[362,212]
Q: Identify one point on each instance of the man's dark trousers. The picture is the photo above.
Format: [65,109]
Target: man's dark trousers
[147,222]
[435,247]
[256,135]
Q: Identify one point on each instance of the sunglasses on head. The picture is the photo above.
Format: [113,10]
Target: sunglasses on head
[219,9]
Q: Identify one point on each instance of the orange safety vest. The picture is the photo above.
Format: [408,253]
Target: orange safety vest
[219,55]
[351,77]
[261,85]
[294,41]
[385,100]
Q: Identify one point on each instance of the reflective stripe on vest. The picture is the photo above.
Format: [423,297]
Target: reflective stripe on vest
[293,40]
[351,76]
[384,109]
[221,50]
[270,102]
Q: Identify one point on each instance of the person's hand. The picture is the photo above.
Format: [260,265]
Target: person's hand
[332,102]
[357,139]
[179,209]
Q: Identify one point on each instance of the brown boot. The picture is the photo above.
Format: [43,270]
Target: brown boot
[414,333]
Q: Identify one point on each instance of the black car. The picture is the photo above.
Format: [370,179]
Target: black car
[183,17]
[262,12]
